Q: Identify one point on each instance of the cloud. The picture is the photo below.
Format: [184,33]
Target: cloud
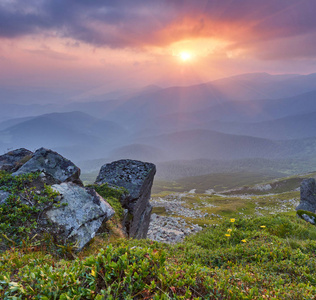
[143,23]
[53,54]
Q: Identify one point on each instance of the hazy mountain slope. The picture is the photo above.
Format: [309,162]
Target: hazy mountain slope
[220,93]
[219,116]
[194,144]
[154,101]
[138,152]
[279,167]
[45,132]
[11,111]
[12,122]
[105,130]
[265,86]
[104,104]
[76,134]
[186,168]
[98,109]
[292,127]
[259,110]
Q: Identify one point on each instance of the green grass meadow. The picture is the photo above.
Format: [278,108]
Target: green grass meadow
[257,249]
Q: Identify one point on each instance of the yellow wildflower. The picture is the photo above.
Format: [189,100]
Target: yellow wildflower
[227,234]
[232,220]
[229,230]
[244,241]
[262,226]
[93,273]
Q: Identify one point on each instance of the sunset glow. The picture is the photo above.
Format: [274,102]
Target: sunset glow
[185,56]
[105,45]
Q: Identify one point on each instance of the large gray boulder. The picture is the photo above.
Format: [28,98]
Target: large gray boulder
[81,214]
[137,178]
[52,163]
[13,160]
[308,195]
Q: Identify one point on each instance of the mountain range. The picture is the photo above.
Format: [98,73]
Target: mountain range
[249,116]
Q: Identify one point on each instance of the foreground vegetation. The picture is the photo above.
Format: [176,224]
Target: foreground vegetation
[257,258]
[239,257]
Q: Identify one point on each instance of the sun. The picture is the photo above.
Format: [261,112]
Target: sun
[185,56]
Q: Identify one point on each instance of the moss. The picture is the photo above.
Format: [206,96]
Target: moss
[113,196]
[159,210]
[24,159]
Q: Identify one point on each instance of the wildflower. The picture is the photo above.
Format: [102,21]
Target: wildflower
[244,241]
[93,273]
[262,226]
[227,234]
[232,220]
[229,230]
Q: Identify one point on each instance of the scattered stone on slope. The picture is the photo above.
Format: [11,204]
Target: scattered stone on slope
[173,206]
[170,229]
[308,195]
[52,163]
[81,214]
[13,160]
[137,178]
[307,218]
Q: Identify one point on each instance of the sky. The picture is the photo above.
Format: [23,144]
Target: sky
[81,48]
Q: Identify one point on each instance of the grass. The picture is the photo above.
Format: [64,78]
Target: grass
[262,258]
[237,256]
[217,181]
[226,206]
[244,182]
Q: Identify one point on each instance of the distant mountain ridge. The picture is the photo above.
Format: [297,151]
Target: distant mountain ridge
[75,130]
[243,117]
[195,144]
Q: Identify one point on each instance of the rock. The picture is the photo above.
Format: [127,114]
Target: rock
[83,215]
[52,163]
[3,196]
[307,218]
[308,195]
[13,160]
[137,178]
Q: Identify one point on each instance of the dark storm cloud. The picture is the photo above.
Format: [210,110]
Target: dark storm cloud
[138,23]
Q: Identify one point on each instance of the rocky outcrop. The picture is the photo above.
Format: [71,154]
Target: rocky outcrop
[137,178]
[307,207]
[13,160]
[81,213]
[308,195]
[52,163]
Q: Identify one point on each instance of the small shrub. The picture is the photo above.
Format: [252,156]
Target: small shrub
[21,213]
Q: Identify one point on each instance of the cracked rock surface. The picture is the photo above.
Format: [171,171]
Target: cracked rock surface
[81,213]
[52,163]
[13,160]
[137,178]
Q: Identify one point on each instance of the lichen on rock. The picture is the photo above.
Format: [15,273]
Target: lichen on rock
[137,178]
